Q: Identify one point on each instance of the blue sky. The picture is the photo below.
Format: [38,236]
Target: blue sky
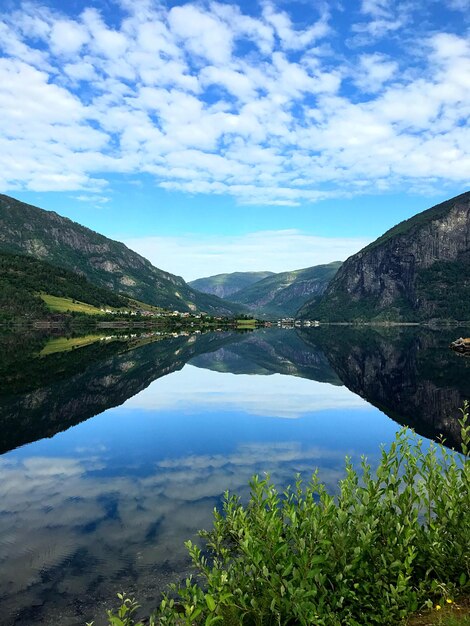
[223,136]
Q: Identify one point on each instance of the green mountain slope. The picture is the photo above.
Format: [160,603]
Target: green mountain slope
[418,270]
[283,294]
[45,235]
[224,285]
[23,278]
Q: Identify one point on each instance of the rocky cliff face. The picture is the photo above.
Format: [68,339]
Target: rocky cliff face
[415,271]
[45,235]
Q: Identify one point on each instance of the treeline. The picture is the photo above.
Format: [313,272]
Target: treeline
[22,278]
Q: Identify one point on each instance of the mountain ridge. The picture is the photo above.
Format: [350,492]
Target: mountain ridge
[48,236]
[224,285]
[284,293]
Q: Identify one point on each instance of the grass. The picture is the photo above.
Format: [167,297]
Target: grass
[137,304]
[449,614]
[58,304]
[250,323]
[63,344]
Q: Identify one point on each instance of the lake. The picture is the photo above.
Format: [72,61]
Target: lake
[116,448]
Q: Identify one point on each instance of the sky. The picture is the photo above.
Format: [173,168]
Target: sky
[235,136]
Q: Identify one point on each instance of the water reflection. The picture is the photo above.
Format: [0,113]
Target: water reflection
[43,395]
[411,375]
[106,505]
[204,390]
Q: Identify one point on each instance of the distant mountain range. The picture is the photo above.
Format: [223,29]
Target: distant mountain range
[224,285]
[419,270]
[283,294]
[276,295]
[49,237]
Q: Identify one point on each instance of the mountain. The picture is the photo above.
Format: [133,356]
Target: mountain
[419,270]
[224,285]
[283,294]
[47,236]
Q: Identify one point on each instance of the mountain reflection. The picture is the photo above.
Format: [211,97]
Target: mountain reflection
[409,375]
[43,395]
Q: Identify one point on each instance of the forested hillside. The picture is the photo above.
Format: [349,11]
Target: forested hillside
[23,278]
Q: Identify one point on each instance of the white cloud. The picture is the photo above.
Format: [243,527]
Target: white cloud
[105,41]
[377,8]
[207,99]
[203,34]
[374,70]
[277,251]
[67,37]
[385,17]
[292,38]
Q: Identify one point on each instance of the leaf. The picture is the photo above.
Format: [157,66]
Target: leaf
[210,603]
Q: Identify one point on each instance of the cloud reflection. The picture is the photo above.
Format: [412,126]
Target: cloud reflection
[195,389]
[69,528]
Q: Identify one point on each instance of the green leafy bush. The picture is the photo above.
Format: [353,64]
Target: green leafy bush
[386,544]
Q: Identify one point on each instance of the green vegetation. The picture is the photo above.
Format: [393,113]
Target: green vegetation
[389,544]
[65,305]
[445,287]
[62,344]
[341,308]
[22,278]
[251,322]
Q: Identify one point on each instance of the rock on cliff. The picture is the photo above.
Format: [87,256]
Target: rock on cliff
[418,270]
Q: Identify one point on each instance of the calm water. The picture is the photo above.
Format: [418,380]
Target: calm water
[114,453]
